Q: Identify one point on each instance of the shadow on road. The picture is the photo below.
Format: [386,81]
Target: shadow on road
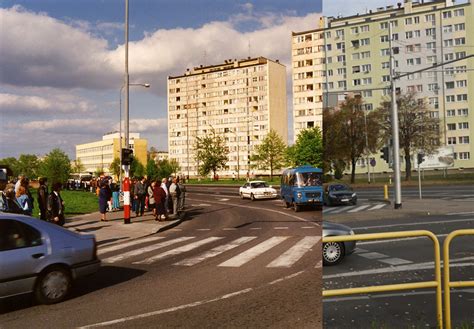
[106,277]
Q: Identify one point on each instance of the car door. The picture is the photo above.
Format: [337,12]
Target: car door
[22,250]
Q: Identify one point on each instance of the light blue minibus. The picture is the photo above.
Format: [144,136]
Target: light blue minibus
[302,186]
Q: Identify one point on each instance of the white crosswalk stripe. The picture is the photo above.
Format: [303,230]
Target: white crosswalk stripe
[353,209]
[252,253]
[127,244]
[216,251]
[378,206]
[143,250]
[359,208]
[178,250]
[295,253]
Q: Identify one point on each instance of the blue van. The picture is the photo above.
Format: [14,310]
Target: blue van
[302,186]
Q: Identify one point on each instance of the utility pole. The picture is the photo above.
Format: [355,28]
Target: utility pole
[126,183]
[394,119]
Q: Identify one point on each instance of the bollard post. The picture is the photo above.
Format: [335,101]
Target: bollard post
[385,192]
[126,200]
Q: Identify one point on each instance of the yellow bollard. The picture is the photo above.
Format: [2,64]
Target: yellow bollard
[385,192]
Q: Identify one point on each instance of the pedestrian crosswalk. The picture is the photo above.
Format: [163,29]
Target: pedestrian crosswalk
[250,248]
[353,209]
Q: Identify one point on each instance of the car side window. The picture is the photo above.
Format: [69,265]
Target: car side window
[15,235]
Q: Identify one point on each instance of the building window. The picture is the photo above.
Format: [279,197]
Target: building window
[385,65]
[364,28]
[461,98]
[356,82]
[365,42]
[459,12]
[385,52]
[451,140]
[447,14]
[450,99]
[451,113]
[463,125]
[366,68]
[430,18]
[459,27]
[384,38]
[451,126]
[450,85]
[464,140]
[464,156]
[384,25]
[385,78]
[463,112]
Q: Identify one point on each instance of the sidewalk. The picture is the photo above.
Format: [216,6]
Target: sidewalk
[114,230]
[412,208]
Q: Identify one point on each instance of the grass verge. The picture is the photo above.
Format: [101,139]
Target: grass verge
[75,202]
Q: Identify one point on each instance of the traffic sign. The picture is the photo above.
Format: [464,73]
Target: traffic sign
[373,162]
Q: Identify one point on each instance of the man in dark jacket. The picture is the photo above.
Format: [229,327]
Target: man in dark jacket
[56,205]
[43,199]
[140,192]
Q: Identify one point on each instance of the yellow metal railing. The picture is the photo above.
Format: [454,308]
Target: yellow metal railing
[393,287]
[446,282]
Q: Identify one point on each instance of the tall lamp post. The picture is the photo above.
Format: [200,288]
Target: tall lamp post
[146,85]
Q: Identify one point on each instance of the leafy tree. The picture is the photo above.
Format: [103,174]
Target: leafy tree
[78,167]
[12,163]
[308,149]
[351,132]
[115,167]
[56,167]
[418,130]
[152,153]
[152,171]
[174,165]
[270,154]
[99,172]
[136,168]
[211,153]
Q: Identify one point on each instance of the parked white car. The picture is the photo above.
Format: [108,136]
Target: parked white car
[43,258]
[257,190]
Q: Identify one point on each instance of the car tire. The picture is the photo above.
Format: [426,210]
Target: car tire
[296,207]
[354,203]
[242,195]
[333,253]
[252,197]
[287,204]
[53,285]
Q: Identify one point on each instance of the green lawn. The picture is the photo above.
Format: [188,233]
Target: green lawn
[76,202]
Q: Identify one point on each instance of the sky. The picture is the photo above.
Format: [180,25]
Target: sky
[62,61]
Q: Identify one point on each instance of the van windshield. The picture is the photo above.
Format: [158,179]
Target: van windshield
[308,179]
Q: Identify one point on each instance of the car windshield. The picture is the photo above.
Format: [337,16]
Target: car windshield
[339,187]
[259,185]
[308,179]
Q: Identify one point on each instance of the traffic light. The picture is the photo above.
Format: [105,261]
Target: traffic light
[126,156]
[421,158]
[385,154]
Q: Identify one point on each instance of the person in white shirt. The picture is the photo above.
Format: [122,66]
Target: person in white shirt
[164,187]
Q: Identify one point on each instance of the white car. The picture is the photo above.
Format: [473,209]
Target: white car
[257,190]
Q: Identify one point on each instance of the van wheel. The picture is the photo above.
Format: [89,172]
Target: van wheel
[53,285]
[296,207]
[287,204]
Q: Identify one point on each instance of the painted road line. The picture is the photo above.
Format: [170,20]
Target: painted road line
[141,251]
[215,251]
[360,208]
[378,206]
[254,252]
[342,209]
[326,210]
[460,213]
[178,250]
[414,224]
[292,255]
[373,255]
[203,229]
[280,228]
[308,227]
[255,228]
[229,229]
[223,199]
[127,244]
[395,261]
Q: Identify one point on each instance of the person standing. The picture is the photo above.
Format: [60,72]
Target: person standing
[11,205]
[182,194]
[104,198]
[140,194]
[24,201]
[43,199]
[160,197]
[174,194]
[56,205]
[115,196]
[151,197]
[165,188]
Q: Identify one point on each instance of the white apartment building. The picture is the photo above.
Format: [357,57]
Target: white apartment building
[356,57]
[240,99]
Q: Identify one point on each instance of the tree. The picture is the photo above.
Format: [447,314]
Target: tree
[351,132]
[308,149]
[174,165]
[270,154]
[12,163]
[56,167]
[136,168]
[211,153]
[152,153]
[418,130]
[164,168]
[115,167]
[152,171]
[78,167]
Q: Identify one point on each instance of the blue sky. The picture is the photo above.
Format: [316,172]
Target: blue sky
[62,61]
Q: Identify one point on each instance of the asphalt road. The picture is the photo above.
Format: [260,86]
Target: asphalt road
[234,263]
[400,261]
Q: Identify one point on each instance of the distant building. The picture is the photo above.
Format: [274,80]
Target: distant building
[351,55]
[100,154]
[161,155]
[240,99]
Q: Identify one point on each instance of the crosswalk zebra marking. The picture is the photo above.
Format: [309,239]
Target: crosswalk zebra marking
[178,250]
[342,209]
[127,244]
[229,229]
[255,228]
[281,228]
[203,229]
[215,251]
[253,252]
[395,261]
[359,208]
[140,251]
[295,253]
[305,227]
[378,206]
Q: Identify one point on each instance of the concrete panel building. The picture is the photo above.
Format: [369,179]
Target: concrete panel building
[240,99]
[356,54]
[99,155]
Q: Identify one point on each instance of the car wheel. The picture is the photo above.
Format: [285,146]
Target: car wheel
[242,195]
[333,253]
[296,207]
[287,204]
[354,202]
[252,197]
[53,285]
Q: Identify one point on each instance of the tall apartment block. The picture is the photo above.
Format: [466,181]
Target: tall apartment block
[354,57]
[238,99]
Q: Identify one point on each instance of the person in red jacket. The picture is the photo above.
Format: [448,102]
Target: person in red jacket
[160,199]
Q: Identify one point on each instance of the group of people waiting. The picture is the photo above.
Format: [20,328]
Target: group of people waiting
[17,198]
[164,197]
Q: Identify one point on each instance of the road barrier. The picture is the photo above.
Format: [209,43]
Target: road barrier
[446,282]
[401,286]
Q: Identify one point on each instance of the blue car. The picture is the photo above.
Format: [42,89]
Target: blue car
[302,186]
